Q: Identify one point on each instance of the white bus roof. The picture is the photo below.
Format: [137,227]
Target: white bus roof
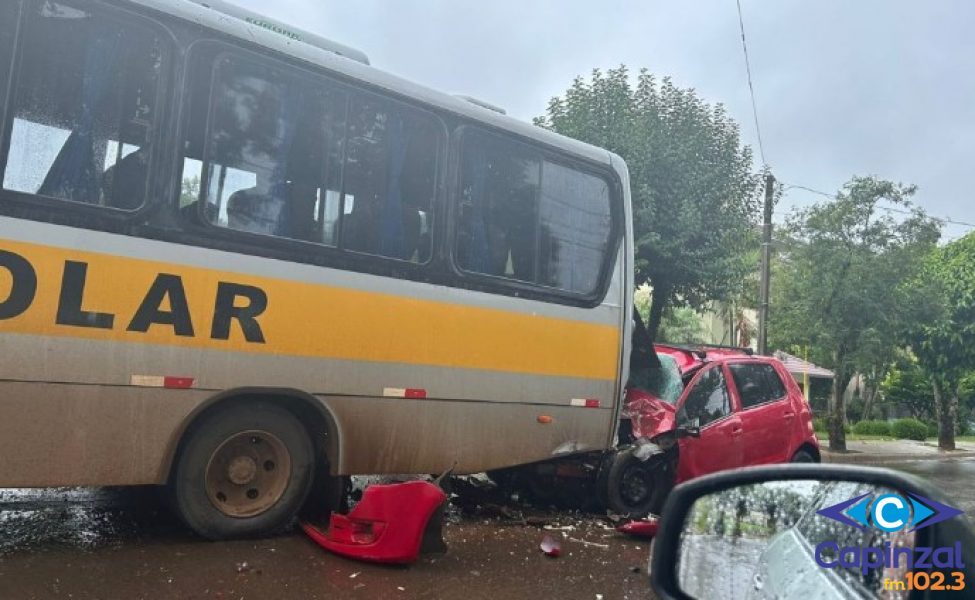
[292,33]
[254,28]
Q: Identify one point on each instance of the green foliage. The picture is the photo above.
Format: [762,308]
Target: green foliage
[909,429]
[907,386]
[872,428]
[189,190]
[679,324]
[839,289]
[932,429]
[966,391]
[695,197]
[819,425]
[945,342]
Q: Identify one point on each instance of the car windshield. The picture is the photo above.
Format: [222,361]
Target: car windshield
[664,382]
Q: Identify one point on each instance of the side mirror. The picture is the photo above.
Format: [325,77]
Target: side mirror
[825,531]
[688,431]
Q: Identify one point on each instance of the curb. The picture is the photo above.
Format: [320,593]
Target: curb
[869,457]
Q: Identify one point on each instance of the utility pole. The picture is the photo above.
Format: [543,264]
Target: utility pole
[766,267]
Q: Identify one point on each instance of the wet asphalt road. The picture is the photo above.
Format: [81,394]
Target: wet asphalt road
[124,544]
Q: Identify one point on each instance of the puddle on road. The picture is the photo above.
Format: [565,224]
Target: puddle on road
[38,519]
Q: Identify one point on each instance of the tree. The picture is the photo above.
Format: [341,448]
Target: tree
[694,196]
[840,289]
[189,190]
[945,342]
[678,324]
[908,386]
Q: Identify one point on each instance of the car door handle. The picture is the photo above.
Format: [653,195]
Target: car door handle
[789,416]
[736,431]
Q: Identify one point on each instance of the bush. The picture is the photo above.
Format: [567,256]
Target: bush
[909,429]
[933,430]
[819,426]
[872,428]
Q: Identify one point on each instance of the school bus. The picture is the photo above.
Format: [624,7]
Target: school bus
[238,261]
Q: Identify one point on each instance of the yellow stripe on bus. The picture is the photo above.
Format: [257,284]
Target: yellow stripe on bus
[300,319]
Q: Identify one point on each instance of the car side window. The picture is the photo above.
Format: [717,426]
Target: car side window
[776,387]
[757,383]
[707,401]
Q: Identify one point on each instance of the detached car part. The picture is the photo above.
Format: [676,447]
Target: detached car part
[393,523]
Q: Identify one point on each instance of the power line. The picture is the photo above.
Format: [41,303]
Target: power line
[944,220]
[751,88]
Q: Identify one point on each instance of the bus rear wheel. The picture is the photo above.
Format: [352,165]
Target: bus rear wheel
[244,471]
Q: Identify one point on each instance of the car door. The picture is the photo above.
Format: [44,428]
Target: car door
[767,416]
[707,405]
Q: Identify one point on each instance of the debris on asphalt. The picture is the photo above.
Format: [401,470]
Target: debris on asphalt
[551,546]
[588,543]
[646,528]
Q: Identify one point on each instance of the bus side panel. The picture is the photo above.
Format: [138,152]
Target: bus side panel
[487,369]
[59,434]
[381,435]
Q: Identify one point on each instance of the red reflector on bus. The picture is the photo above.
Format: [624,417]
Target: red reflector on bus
[180,383]
[590,403]
[415,393]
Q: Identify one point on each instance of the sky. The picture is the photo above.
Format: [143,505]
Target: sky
[843,88]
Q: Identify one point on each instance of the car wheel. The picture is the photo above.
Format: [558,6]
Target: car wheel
[635,487]
[803,456]
[244,471]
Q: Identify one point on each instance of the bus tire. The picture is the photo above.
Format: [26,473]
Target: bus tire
[244,471]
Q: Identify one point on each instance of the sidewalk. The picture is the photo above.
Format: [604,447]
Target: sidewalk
[883,451]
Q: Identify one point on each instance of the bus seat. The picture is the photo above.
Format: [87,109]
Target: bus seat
[124,183]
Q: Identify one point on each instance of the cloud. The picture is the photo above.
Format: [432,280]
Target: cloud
[843,88]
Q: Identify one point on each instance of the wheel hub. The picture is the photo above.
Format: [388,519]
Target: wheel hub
[242,470]
[248,473]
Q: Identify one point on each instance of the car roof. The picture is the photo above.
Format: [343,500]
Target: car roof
[690,357]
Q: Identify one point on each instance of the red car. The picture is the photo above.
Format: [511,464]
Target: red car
[733,409]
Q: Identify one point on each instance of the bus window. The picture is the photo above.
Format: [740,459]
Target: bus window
[575,230]
[272,162]
[390,171]
[83,107]
[9,17]
[499,198]
[531,220]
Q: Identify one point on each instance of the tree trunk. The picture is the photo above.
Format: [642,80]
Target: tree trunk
[946,409]
[869,393]
[658,301]
[837,408]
